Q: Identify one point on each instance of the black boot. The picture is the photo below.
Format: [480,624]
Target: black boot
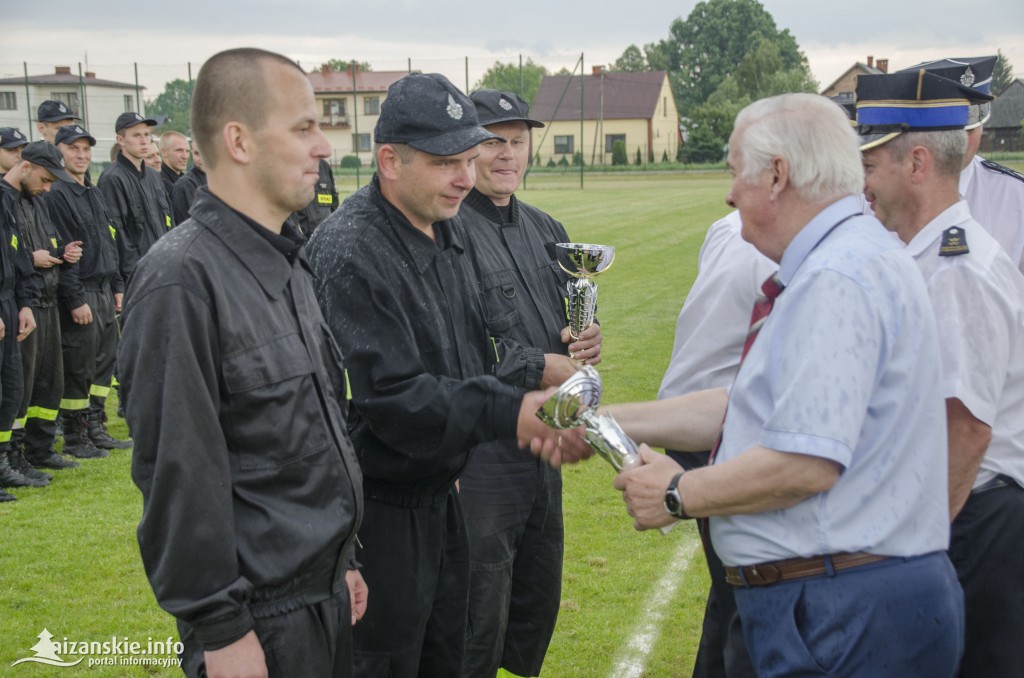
[49,459]
[99,436]
[7,497]
[76,437]
[10,477]
[19,462]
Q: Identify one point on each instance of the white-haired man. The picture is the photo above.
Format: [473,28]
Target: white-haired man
[823,496]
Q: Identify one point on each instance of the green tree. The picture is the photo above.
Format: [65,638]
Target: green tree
[506,77]
[762,73]
[632,60]
[339,65]
[703,50]
[619,153]
[1002,74]
[174,102]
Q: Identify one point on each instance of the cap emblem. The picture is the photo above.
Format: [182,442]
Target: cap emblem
[62,109]
[18,135]
[504,104]
[138,117]
[454,109]
[78,130]
[967,79]
[62,162]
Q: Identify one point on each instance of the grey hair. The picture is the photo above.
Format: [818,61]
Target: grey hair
[948,147]
[812,134]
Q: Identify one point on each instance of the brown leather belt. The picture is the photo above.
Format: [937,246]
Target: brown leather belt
[766,574]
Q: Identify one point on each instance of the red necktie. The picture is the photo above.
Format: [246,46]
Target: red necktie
[770,289]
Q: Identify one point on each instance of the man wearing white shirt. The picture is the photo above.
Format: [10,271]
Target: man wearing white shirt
[978,295]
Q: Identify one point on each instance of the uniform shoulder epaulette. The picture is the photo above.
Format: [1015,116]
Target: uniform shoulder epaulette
[1002,169]
[954,242]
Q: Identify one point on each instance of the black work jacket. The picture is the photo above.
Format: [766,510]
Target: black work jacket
[523,289]
[404,309]
[251,491]
[138,205]
[17,275]
[40,233]
[184,193]
[168,178]
[324,202]
[82,214]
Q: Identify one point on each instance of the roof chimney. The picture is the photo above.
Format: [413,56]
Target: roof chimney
[597,70]
[63,70]
[90,75]
[871,61]
[883,65]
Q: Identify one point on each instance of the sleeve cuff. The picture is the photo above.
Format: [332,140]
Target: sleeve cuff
[221,632]
[535,362]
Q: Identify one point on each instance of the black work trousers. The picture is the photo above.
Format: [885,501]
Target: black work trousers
[43,375]
[415,560]
[11,379]
[89,350]
[314,640]
[513,507]
[986,551]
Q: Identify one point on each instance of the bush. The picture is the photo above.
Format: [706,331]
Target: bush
[551,162]
[536,159]
[563,162]
[577,159]
[350,162]
[664,155]
[638,159]
[619,153]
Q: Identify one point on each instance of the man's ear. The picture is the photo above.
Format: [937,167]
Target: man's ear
[237,142]
[780,176]
[388,161]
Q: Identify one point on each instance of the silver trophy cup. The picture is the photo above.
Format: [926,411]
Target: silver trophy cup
[583,262]
[574,403]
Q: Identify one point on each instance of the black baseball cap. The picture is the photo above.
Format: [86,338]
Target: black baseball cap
[46,155]
[55,111]
[11,137]
[131,119]
[69,134]
[494,107]
[427,112]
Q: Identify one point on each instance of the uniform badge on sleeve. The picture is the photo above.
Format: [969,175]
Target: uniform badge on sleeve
[954,242]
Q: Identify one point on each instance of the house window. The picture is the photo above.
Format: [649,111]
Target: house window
[361,142]
[564,143]
[70,98]
[610,139]
[371,105]
[8,101]
[334,108]
[129,103]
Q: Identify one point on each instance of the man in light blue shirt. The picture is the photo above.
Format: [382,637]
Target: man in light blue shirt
[827,492]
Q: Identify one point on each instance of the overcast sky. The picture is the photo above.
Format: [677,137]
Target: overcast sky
[436,35]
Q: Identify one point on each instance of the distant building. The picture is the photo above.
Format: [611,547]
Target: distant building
[846,84]
[635,108]
[98,102]
[349,110]
[1002,132]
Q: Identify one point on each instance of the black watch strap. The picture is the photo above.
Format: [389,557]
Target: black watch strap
[673,499]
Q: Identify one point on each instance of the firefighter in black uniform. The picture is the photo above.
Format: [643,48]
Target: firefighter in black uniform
[42,363]
[51,116]
[173,160]
[325,202]
[398,291]
[514,503]
[184,192]
[90,294]
[12,140]
[19,292]
[133,192]
[251,491]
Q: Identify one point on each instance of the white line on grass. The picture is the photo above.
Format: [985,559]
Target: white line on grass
[633,659]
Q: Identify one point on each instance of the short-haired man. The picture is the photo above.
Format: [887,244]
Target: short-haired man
[19,292]
[913,157]
[91,294]
[824,496]
[251,490]
[399,294]
[174,157]
[513,502]
[42,363]
[325,202]
[184,192]
[11,143]
[134,193]
[51,116]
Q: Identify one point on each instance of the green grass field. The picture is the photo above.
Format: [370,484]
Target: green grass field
[69,560]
